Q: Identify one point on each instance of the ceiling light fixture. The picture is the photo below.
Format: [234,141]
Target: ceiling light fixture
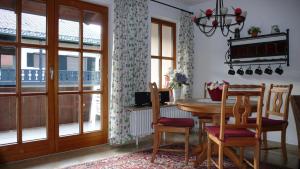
[210,20]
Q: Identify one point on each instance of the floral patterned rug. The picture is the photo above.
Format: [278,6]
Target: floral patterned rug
[141,160]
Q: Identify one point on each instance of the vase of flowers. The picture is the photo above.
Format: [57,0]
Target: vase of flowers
[177,80]
[215,90]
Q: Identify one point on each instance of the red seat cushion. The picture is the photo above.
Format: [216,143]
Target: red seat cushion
[229,133]
[267,122]
[176,122]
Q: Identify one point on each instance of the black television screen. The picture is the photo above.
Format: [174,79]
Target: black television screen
[142,99]
[164,97]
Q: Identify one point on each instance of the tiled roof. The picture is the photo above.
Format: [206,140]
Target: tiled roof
[34,26]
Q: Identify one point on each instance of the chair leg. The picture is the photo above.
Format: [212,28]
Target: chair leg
[241,155]
[186,149]
[155,145]
[256,155]
[221,156]
[200,130]
[203,129]
[208,153]
[283,145]
[265,140]
[159,138]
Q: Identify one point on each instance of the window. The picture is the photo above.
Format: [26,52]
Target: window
[163,51]
[6,61]
[62,62]
[35,60]
[30,59]
[91,64]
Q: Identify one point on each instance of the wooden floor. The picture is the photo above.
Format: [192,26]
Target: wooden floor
[103,151]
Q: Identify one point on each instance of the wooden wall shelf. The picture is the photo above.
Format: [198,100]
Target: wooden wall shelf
[263,49]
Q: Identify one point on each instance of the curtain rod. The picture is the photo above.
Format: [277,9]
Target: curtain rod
[172,7]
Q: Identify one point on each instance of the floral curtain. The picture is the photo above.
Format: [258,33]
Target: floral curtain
[185,51]
[130,63]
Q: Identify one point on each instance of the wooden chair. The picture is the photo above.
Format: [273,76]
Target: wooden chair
[295,102]
[205,119]
[237,134]
[279,95]
[165,124]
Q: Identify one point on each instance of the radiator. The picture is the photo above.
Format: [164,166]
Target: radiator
[141,119]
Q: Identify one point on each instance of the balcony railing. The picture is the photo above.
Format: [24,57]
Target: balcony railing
[31,77]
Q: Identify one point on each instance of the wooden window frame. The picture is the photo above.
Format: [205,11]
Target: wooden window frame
[160,57]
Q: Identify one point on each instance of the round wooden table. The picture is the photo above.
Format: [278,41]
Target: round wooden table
[205,107]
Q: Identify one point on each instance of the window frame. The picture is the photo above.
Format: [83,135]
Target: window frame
[162,23]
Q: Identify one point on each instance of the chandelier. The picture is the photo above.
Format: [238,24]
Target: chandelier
[208,21]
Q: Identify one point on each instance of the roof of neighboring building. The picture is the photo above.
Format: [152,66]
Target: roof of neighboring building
[34,26]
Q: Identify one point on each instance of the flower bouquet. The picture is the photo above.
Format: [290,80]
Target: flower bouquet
[215,90]
[177,80]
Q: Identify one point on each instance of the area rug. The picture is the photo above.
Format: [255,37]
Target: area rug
[141,160]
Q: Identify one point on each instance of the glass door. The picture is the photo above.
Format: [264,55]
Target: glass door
[24,89]
[81,75]
[53,77]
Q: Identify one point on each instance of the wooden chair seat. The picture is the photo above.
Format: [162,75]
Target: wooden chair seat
[176,122]
[267,122]
[229,133]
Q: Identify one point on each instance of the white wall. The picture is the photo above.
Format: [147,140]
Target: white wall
[210,52]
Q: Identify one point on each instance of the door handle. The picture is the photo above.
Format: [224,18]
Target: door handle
[51,73]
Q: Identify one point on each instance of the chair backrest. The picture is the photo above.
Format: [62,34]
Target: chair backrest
[279,95]
[155,102]
[242,108]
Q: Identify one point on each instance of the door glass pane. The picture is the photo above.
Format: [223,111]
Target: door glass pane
[8,20]
[92,112]
[68,24]
[8,127]
[155,71]
[167,41]
[34,118]
[92,30]
[69,108]
[34,21]
[91,71]
[7,69]
[155,39]
[68,72]
[167,65]
[33,70]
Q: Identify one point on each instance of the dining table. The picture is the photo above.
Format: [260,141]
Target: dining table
[205,107]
